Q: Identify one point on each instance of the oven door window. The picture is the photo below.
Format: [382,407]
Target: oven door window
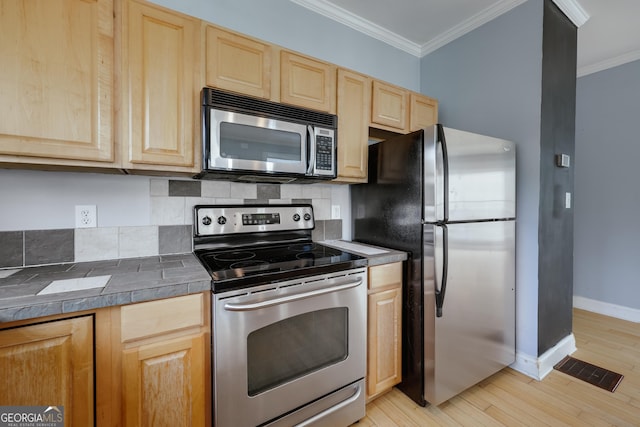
[294,347]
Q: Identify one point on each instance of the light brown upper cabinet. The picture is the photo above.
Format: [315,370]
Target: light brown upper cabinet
[389,107]
[160,89]
[354,105]
[56,82]
[307,82]
[238,63]
[424,111]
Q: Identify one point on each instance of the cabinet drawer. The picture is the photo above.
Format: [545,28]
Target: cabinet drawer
[385,275]
[158,317]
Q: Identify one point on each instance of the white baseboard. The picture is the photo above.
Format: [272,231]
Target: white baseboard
[538,368]
[607,309]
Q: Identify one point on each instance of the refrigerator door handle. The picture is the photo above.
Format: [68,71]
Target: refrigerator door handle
[445,172]
[439,293]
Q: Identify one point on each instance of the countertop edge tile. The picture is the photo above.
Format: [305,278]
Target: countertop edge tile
[32,311]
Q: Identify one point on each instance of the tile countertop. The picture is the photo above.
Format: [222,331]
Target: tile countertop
[32,292]
[104,283]
[375,255]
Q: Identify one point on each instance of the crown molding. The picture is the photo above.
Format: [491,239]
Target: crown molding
[351,20]
[574,11]
[571,8]
[469,25]
[609,63]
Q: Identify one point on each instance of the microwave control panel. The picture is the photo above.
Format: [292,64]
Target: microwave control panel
[324,152]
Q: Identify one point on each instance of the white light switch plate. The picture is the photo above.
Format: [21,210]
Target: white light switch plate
[335,211]
[567,200]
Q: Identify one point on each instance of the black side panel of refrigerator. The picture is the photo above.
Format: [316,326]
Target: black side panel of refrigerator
[387,212]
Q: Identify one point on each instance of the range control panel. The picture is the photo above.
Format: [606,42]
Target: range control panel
[217,220]
[261,218]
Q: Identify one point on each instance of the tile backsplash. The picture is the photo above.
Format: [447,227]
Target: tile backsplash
[170,223]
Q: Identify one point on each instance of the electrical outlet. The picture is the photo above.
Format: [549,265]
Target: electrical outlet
[86,216]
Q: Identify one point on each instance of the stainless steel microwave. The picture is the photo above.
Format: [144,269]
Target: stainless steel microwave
[254,140]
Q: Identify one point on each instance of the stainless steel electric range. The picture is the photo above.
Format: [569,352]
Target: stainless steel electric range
[289,318]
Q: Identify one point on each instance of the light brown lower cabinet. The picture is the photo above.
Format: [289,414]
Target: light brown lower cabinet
[164,384]
[50,364]
[384,353]
[163,356]
[150,361]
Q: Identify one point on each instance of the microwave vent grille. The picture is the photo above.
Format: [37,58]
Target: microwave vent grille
[245,104]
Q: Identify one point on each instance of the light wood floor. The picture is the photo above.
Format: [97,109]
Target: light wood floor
[510,398]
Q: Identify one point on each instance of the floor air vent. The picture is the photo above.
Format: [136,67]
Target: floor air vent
[592,374]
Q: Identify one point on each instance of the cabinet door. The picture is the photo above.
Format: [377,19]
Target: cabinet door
[161,89]
[164,383]
[389,107]
[424,111]
[238,63]
[164,348]
[354,103]
[50,364]
[307,82]
[384,366]
[56,81]
[384,353]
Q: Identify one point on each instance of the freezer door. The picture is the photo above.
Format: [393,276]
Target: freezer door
[475,337]
[481,176]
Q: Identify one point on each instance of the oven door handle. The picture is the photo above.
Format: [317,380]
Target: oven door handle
[333,409]
[276,301]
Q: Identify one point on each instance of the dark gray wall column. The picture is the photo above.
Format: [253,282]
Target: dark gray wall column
[557,136]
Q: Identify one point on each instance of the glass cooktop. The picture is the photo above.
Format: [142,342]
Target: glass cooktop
[236,268]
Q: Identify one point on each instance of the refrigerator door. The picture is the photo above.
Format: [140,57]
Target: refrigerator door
[475,337]
[481,176]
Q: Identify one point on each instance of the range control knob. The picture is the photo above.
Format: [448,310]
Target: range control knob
[206,220]
[296,217]
[222,220]
[307,216]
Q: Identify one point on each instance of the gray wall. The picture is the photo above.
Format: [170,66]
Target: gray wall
[607,190]
[488,82]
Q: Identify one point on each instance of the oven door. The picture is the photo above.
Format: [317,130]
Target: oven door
[279,347]
[250,143]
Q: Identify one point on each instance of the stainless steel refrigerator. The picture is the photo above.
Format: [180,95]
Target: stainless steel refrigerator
[448,199]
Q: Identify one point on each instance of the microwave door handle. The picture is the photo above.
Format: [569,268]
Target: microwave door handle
[311,150]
